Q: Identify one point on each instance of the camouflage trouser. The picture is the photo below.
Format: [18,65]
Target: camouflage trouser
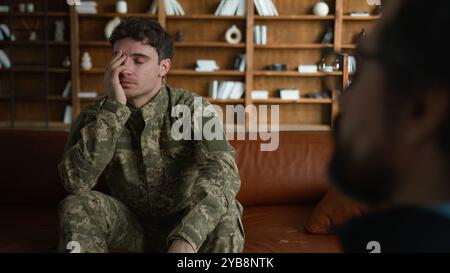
[99,222]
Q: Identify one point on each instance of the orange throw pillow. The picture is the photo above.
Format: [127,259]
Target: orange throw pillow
[333,210]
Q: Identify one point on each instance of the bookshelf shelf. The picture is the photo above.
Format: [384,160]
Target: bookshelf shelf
[210,44]
[300,101]
[295,17]
[205,17]
[361,18]
[295,74]
[294,46]
[187,72]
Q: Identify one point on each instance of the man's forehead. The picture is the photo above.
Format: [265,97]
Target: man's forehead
[130,46]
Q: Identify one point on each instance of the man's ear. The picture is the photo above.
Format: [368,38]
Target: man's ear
[164,67]
[426,115]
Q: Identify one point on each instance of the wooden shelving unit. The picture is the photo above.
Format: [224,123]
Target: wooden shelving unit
[31,92]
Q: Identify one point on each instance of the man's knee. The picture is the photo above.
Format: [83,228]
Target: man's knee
[77,202]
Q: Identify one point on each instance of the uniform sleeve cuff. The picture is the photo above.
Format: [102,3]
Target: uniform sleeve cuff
[120,110]
[186,234]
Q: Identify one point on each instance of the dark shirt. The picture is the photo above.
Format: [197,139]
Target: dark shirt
[403,229]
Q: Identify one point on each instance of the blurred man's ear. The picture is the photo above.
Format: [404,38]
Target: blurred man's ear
[164,67]
[424,118]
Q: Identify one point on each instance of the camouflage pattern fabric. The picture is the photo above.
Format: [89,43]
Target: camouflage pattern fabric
[161,189]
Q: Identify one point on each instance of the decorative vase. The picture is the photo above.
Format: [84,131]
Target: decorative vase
[121,7]
[86,63]
[321,9]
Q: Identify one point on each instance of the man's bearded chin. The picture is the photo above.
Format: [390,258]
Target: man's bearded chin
[369,179]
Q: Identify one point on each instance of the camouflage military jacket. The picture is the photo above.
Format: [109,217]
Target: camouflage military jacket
[191,183]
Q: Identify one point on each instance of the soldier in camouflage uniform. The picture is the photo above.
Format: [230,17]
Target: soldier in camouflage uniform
[166,194]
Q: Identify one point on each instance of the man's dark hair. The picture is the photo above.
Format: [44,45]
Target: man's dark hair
[414,55]
[147,31]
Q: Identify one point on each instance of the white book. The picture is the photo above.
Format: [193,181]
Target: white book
[205,62]
[257,34]
[230,8]
[207,69]
[179,8]
[168,7]
[219,8]
[68,115]
[265,8]
[154,7]
[242,9]
[238,90]
[272,7]
[213,89]
[229,85]
[356,14]
[88,3]
[258,7]
[307,68]
[87,94]
[221,89]
[67,88]
[243,63]
[290,94]
[5,30]
[260,94]
[1,36]
[264,35]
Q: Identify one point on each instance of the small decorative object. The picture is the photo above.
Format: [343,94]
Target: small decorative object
[361,36]
[86,63]
[337,65]
[110,26]
[22,7]
[59,30]
[30,7]
[328,36]
[66,62]
[378,10]
[233,35]
[33,36]
[121,7]
[277,67]
[321,9]
[322,65]
[179,36]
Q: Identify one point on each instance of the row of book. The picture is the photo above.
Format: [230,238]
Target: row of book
[266,8]
[83,94]
[171,7]
[87,7]
[226,89]
[285,93]
[260,34]
[231,8]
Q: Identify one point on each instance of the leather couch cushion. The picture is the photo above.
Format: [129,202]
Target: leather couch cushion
[293,174]
[333,210]
[280,229]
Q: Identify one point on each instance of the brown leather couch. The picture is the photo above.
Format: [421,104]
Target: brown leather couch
[279,191]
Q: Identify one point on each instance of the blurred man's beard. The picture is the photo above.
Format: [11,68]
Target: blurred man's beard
[370,180]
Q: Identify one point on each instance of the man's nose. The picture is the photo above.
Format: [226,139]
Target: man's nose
[127,64]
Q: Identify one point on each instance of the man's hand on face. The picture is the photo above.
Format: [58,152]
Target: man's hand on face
[180,246]
[112,82]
